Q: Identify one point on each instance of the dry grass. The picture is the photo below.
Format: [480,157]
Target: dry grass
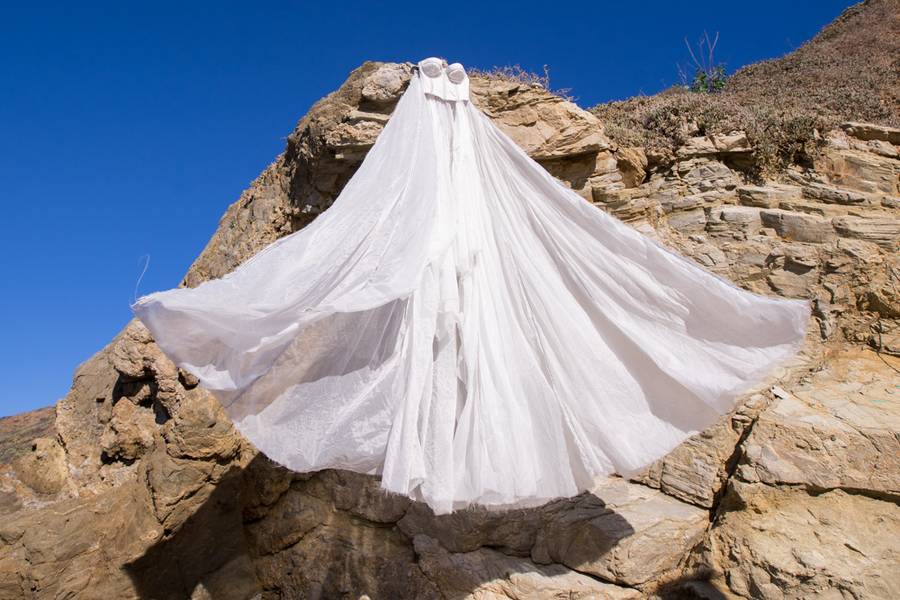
[849,71]
[512,73]
[517,74]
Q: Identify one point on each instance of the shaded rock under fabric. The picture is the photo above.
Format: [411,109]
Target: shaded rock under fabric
[620,532]
[487,573]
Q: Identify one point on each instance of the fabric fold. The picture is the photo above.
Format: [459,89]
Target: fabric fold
[463,325]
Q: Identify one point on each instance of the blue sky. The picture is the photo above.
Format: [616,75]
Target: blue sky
[127,128]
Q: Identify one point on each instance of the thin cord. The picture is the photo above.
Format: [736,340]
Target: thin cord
[136,285]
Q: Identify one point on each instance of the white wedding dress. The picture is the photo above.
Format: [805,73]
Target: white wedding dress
[465,326]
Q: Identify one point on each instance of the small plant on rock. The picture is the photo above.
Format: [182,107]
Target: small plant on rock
[709,76]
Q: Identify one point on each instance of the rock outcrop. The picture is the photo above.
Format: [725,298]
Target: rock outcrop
[145,490]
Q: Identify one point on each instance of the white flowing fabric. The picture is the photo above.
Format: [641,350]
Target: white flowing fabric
[465,326]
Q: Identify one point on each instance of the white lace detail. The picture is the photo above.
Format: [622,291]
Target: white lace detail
[447,82]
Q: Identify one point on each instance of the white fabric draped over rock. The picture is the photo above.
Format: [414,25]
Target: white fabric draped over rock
[465,326]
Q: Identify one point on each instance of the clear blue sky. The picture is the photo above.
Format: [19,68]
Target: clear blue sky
[126,128]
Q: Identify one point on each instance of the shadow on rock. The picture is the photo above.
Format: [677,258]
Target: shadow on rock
[693,587]
[206,557]
[336,534]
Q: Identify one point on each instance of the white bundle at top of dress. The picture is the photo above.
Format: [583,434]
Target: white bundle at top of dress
[465,326]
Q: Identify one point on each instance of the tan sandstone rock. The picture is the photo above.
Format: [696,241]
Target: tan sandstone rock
[785,544]
[884,231]
[486,574]
[44,469]
[798,226]
[839,430]
[621,532]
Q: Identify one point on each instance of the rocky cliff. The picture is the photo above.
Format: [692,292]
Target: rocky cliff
[144,490]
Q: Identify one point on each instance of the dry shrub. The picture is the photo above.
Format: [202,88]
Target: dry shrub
[848,72]
[516,74]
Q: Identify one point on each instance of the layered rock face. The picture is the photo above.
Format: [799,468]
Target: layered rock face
[145,490]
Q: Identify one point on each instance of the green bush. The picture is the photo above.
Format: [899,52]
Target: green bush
[709,81]
[709,75]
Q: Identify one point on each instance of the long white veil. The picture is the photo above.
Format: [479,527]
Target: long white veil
[462,324]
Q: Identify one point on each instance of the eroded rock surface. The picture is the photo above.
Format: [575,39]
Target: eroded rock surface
[786,543]
[837,430]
